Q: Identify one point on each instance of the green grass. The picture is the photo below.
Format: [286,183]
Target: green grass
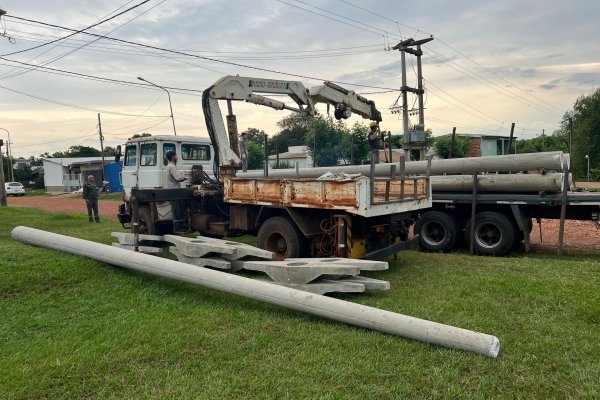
[76,328]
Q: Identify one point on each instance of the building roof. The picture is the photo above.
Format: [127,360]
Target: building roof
[294,152]
[173,138]
[68,161]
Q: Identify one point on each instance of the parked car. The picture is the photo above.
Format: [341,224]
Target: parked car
[14,188]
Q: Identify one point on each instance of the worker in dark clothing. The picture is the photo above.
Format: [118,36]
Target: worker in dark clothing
[90,195]
[374,142]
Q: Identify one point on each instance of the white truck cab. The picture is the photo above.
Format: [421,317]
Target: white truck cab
[144,162]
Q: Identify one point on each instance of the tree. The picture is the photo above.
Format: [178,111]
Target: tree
[332,140]
[361,142]
[586,133]
[293,130]
[82,151]
[556,142]
[256,155]
[109,151]
[441,146]
[256,135]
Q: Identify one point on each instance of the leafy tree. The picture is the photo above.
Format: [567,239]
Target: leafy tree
[293,130]
[586,132]
[361,142]
[441,146]
[82,151]
[256,135]
[109,151]
[256,156]
[332,138]
[555,142]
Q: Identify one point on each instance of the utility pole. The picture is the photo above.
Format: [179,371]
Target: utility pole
[2,187]
[416,140]
[543,140]
[451,152]
[510,138]
[101,147]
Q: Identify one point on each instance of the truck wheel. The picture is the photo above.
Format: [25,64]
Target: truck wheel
[495,234]
[280,236]
[437,231]
[146,226]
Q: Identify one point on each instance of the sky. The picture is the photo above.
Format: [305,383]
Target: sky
[490,63]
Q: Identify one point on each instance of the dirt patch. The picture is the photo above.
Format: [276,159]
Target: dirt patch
[106,208]
[578,235]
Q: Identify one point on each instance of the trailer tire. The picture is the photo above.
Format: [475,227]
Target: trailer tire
[280,236]
[495,234]
[437,231]
[146,226]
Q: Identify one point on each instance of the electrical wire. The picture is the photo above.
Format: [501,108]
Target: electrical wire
[208,58]
[78,31]
[77,106]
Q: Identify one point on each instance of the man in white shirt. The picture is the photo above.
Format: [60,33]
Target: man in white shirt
[174,179]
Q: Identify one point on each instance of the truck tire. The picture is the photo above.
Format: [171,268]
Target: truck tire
[495,234]
[280,236]
[437,231]
[146,226]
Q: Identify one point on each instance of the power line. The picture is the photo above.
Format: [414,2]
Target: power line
[77,106]
[79,31]
[87,43]
[209,58]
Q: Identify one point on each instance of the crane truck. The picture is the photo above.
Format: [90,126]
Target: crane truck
[360,217]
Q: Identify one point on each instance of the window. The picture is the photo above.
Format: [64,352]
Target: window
[199,152]
[148,154]
[166,148]
[131,155]
[15,184]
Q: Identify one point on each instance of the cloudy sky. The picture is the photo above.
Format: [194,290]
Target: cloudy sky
[491,63]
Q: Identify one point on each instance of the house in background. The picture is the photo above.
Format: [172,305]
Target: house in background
[486,145]
[295,154]
[69,174]
[21,162]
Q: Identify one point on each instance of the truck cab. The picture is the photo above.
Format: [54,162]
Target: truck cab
[145,164]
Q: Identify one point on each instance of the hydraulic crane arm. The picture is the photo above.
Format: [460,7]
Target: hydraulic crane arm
[246,89]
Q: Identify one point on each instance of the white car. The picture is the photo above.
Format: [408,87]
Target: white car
[14,188]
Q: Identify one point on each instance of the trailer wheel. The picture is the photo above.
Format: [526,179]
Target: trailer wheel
[437,231]
[495,234]
[280,236]
[146,226]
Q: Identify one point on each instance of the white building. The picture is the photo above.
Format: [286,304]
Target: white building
[69,174]
[295,154]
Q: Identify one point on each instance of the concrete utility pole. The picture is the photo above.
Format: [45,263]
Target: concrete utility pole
[410,141]
[2,188]
[101,147]
[9,163]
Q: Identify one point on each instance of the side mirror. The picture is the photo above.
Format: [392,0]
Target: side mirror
[118,154]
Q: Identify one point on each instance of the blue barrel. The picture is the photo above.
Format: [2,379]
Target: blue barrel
[111,172]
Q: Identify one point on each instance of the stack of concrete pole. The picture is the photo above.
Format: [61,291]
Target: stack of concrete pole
[315,275]
[496,173]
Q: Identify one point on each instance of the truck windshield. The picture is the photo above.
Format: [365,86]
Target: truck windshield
[131,155]
[200,152]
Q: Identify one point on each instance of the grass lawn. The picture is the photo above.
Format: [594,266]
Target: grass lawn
[75,328]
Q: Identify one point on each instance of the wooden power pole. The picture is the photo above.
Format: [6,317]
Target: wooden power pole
[101,147]
[3,202]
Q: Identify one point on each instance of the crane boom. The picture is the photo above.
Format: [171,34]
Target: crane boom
[242,88]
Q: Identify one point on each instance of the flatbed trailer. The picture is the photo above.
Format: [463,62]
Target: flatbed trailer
[502,220]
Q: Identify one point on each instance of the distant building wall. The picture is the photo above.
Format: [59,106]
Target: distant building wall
[474,147]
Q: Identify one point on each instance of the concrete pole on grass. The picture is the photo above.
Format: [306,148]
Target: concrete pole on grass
[322,306]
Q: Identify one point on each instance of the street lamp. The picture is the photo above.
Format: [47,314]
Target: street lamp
[168,94]
[9,156]
[588,160]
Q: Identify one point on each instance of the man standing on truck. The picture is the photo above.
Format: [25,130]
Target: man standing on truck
[374,142]
[174,179]
[244,151]
[90,195]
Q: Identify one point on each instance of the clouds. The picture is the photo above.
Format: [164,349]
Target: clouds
[524,49]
